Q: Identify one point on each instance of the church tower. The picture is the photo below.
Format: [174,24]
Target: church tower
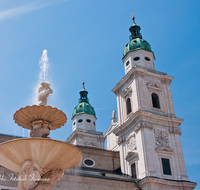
[84,124]
[147,132]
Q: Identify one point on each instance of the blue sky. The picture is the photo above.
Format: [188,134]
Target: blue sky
[85,39]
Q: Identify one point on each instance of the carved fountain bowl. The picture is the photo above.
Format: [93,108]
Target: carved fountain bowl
[24,116]
[48,153]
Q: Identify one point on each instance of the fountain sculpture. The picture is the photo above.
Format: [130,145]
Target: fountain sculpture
[39,160]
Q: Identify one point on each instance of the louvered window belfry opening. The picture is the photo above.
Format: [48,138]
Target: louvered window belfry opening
[128,106]
[155,100]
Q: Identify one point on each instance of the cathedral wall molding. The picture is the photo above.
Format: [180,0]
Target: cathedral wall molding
[154,86]
[126,93]
[158,183]
[131,157]
[139,71]
[121,140]
[175,130]
[165,81]
[142,115]
[140,125]
[164,150]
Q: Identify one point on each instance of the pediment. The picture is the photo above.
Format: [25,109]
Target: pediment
[164,149]
[131,155]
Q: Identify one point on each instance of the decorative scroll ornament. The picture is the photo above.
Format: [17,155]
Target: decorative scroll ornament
[90,144]
[161,138]
[175,130]
[127,93]
[143,125]
[165,81]
[154,86]
[120,140]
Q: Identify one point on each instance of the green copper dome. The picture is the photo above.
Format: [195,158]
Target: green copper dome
[84,105]
[136,41]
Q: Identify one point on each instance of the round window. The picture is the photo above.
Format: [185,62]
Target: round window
[136,58]
[80,120]
[88,120]
[88,162]
[127,63]
[147,58]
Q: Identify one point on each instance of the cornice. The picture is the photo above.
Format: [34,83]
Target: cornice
[139,71]
[167,182]
[140,119]
[81,134]
[175,130]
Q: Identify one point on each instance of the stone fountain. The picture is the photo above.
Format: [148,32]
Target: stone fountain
[39,160]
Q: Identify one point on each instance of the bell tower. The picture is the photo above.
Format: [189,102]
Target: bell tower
[147,132]
[84,124]
[137,51]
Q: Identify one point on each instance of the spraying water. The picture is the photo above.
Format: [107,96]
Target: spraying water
[44,65]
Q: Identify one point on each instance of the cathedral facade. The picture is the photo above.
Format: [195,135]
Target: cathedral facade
[143,148]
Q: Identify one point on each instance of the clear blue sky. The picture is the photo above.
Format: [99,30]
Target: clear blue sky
[85,39]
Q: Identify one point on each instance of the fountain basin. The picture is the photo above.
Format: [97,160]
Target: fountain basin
[47,153]
[25,116]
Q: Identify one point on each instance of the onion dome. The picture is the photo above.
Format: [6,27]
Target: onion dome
[84,106]
[136,41]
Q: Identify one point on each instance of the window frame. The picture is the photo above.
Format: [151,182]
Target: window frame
[168,168]
[130,110]
[155,101]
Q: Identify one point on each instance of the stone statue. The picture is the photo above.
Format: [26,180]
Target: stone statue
[40,128]
[44,91]
[114,119]
[29,175]
[32,177]
[113,114]
[48,180]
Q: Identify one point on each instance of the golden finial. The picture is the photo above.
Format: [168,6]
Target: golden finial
[133,18]
[83,82]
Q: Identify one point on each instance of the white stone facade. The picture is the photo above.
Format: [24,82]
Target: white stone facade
[140,57]
[149,134]
[84,132]
[84,121]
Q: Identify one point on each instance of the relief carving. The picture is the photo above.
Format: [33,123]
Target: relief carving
[127,93]
[161,138]
[90,144]
[137,75]
[143,125]
[121,140]
[165,81]
[175,130]
[131,141]
[153,86]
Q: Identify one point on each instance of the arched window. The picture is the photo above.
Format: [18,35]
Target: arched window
[155,100]
[128,106]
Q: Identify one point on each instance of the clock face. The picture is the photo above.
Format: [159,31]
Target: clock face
[161,138]
[131,143]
